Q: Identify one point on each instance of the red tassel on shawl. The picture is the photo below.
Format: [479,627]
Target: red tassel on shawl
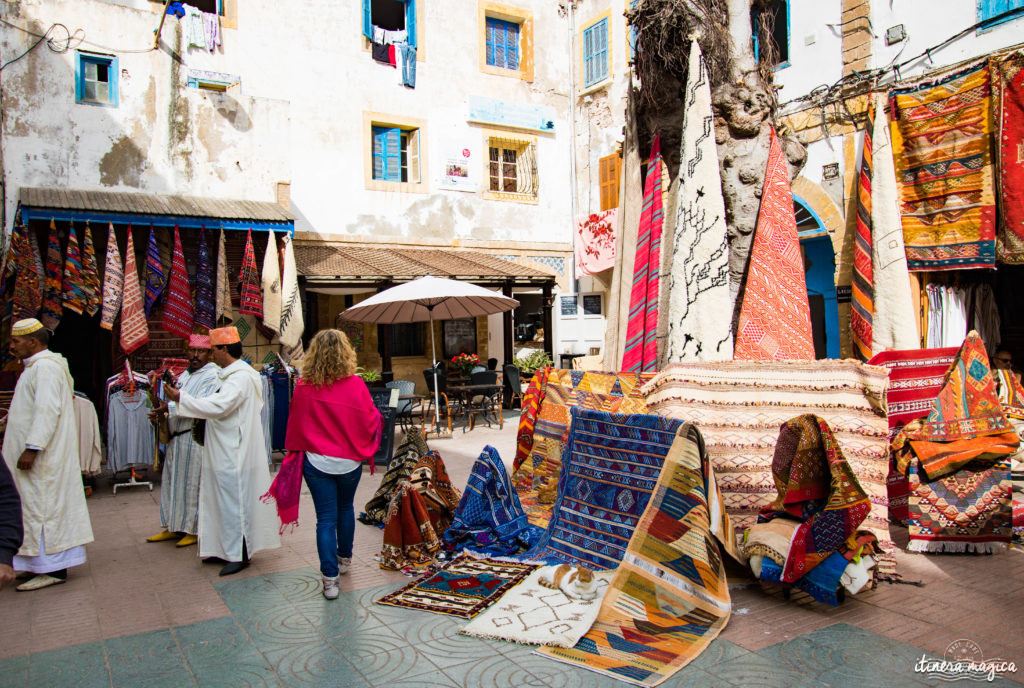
[285,490]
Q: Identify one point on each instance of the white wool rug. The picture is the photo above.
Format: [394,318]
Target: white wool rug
[532,614]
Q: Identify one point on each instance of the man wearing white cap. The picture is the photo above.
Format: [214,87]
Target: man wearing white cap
[233,522]
[179,486]
[41,449]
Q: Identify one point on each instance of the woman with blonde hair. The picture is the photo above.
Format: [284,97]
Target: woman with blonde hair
[333,426]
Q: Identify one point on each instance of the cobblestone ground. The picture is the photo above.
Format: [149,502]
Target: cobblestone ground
[141,614]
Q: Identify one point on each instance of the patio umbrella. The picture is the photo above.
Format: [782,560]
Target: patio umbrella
[427,299]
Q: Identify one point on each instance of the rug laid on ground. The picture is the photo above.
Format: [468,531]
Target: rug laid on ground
[464,587]
[915,378]
[817,488]
[957,461]
[669,597]
[536,479]
[410,450]
[612,462]
[529,408]
[740,405]
[533,614]
[490,518]
[942,146]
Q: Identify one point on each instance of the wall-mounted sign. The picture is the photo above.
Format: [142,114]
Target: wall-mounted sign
[518,115]
[460,164]
[569,306]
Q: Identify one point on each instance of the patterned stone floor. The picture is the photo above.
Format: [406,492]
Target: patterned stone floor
[150,615]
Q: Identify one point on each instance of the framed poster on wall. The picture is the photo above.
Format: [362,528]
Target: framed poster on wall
[459,337]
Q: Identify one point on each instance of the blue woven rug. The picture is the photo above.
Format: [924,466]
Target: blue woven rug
[611,465]
[490,519]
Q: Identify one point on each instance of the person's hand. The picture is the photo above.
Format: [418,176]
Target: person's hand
[27,458]
[6,575]
[171,393]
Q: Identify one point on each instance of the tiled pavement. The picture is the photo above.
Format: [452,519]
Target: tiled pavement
[150,615]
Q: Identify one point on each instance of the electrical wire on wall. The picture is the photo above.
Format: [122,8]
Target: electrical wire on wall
[858,83]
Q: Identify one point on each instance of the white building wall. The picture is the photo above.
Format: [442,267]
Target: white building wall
[815,48]
[306,80]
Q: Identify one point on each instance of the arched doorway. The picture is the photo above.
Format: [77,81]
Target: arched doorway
[820,268]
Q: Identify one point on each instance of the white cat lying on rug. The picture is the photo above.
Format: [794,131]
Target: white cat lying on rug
[576,582]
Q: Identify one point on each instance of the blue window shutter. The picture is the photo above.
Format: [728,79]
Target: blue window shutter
[601,48]
[588,56]
[490,42]
[367,20]
[410,21]
[393,155]
[499,44]
[379,148]
[512,46]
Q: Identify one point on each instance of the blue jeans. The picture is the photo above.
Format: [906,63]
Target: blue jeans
[408,65]
[335,517]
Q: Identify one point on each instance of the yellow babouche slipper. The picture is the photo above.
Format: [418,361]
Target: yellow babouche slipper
[161,537]
[39,582]
[187,540]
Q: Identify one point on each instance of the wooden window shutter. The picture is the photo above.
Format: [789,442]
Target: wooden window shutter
[413,156]
[608,176]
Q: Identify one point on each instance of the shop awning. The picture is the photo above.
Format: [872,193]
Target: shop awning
[125,207]
[340,264]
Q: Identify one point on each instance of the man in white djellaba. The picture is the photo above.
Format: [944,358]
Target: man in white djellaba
[41,449]
[233,523]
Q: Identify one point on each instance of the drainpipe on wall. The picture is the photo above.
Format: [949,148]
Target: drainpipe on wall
[570,6]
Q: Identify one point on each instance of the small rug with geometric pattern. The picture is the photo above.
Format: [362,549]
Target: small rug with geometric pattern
[463,588]
[533,614]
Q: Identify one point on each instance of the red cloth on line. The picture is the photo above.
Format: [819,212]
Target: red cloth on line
[337,420]
[775,320]
[178,307]
[1008,101]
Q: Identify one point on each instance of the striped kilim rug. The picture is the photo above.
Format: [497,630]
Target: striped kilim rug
[611,464]
[740,406]
[464,587]
[915,378]
[669,597]
[536,478]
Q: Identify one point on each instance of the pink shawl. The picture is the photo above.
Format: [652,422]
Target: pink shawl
[338,419]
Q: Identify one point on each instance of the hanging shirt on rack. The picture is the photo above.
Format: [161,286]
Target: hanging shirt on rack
[130,437]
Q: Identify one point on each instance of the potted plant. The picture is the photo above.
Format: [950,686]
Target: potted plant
[464,363]
[531,363]
[369,376]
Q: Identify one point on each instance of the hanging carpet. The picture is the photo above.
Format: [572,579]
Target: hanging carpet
[292,323]
[270,281]
[863,288]
[1008,112]
[28,290]
[222,298]
[942,145]
[75,297]
[775,319]
[529,408]
[249,282]
[641,349]
[205,315]
[178,318]
[134,327]
[156,280]
[113,281]
[53,284]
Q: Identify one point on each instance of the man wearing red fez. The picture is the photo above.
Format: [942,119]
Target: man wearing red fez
[183,463]
[233,522]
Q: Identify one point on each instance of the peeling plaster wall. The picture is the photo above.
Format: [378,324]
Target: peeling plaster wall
[162,137]
[306,81]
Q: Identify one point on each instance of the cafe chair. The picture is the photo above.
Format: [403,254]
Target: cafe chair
[444,408]
[405,408]
[489,406]
[513,385]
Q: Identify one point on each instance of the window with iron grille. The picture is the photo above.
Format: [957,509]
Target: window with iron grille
[512,168]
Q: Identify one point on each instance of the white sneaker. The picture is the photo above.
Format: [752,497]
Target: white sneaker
[331,588]
[344,564]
